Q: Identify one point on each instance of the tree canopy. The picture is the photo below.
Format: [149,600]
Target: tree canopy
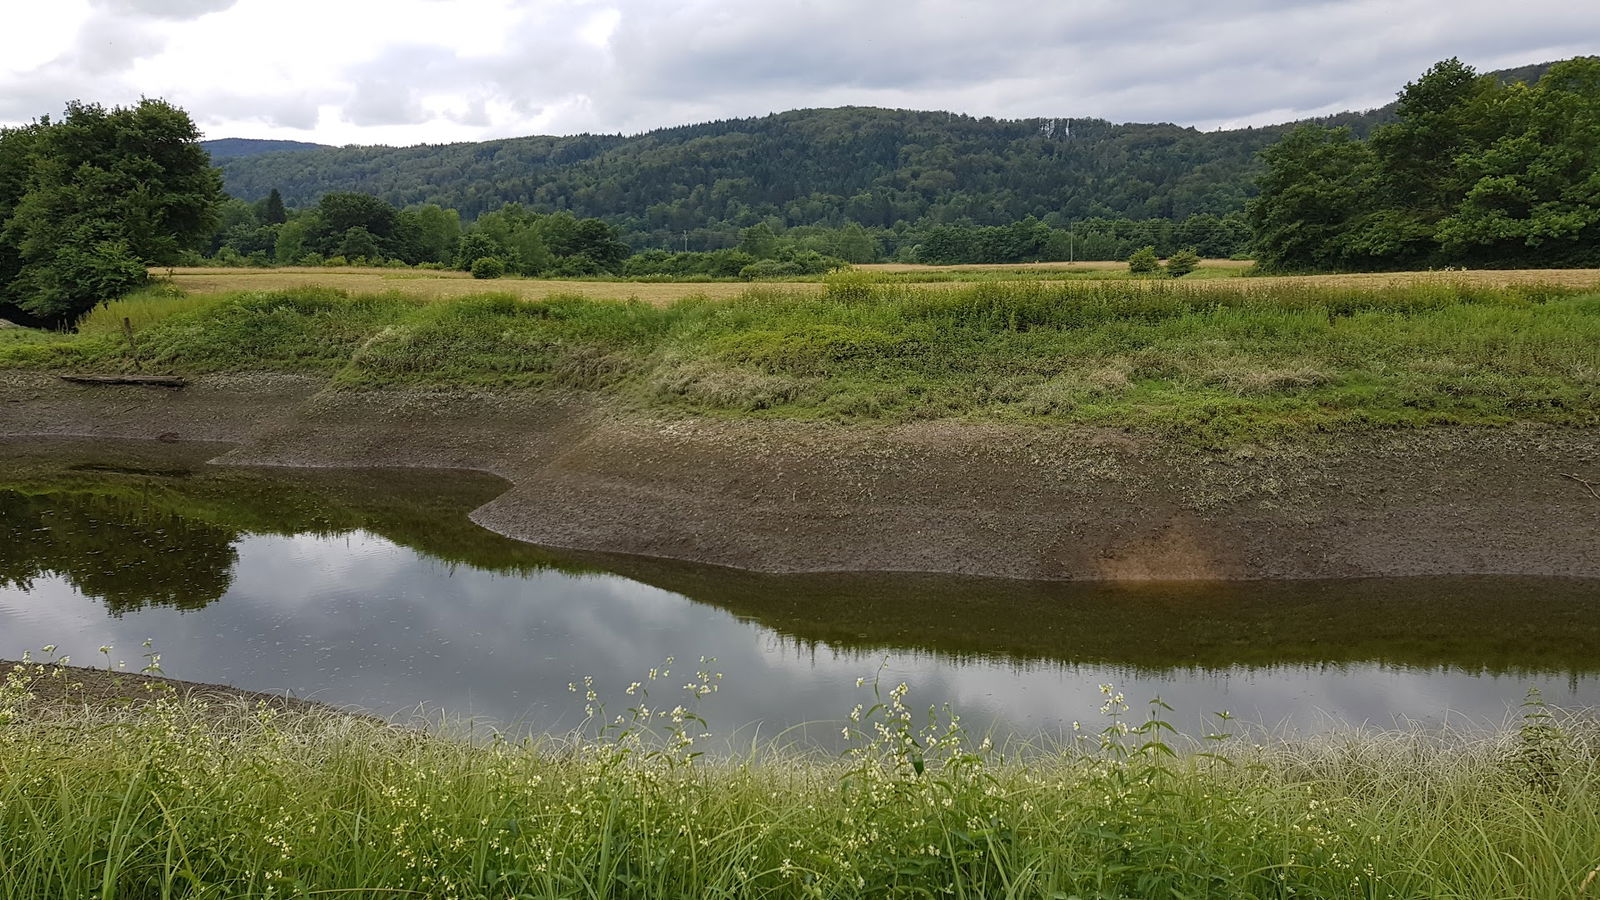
[87,202]
[877,168]
[1474,171]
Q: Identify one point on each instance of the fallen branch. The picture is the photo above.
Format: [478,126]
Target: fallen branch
[1585,482]
[171,381]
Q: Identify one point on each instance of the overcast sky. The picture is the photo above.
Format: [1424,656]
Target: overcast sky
[415,71]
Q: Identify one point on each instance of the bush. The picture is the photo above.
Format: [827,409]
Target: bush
[78,278]
[488,267]
[1182,263]
[475,246]
[770,268]
[578,265]
[1144,261]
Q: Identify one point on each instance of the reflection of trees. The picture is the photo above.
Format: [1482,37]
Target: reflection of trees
[117,549]
[1477,624]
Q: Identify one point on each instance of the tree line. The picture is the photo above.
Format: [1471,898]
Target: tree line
[1473,171]
[361,229]
[821,167]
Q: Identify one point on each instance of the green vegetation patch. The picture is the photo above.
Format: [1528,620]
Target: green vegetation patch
[1206,364]
[183,797]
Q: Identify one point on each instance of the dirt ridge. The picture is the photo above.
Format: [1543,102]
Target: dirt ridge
[953,497]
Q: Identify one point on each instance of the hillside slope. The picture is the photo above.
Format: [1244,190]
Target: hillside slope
[815,166]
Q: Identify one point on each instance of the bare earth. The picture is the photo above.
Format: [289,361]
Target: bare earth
[1013,501]
[75,686]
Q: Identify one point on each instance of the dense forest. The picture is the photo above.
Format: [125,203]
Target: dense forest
[906,179]
[1473,171]
[696,187]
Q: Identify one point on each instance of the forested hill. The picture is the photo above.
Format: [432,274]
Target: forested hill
[873,166]
[232,148]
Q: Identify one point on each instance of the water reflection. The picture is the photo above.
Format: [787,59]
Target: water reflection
[375,590]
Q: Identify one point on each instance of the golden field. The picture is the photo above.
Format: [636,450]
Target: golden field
[448,284]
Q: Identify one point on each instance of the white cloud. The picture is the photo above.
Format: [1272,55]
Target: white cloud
[408,71]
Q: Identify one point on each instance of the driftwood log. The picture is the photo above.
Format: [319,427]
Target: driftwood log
[169,381]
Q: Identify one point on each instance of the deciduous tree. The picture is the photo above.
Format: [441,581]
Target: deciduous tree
[106,193]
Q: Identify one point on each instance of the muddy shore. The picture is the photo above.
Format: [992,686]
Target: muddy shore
[954,497]
[54,685]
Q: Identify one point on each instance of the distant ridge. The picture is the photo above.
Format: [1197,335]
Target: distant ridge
[236,148]
[876,167]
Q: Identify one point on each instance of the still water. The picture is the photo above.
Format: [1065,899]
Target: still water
[373,589]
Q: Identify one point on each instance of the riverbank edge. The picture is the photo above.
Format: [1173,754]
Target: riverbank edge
[54,684]
[952,497]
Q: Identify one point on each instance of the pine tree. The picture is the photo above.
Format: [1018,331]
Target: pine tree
[274,214]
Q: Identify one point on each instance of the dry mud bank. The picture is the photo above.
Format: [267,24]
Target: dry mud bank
[952,497]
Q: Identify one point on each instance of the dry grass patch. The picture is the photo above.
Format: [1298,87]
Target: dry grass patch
[446,285]
[1099,265]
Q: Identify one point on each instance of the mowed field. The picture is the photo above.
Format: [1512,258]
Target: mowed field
[1107,265]
[442,285]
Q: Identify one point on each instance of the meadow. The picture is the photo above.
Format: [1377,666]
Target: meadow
[172,795]
[440,284]
[1264,361]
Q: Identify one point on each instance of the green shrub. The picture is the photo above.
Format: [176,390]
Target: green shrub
[1144,261]
[769,268]
[1182,263]
[488,267]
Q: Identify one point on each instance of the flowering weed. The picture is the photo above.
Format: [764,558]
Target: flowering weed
[187,797]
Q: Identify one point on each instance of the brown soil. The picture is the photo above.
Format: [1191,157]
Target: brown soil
[55,685]
[1022,502]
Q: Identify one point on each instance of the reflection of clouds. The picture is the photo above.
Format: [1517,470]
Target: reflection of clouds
[355,619]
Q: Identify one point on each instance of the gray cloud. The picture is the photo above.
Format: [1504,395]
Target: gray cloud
[107,46]
[164,9]
[1237,62]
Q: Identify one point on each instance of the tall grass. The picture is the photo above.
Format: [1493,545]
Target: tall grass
[1211,364]
[177,797]
[140,310]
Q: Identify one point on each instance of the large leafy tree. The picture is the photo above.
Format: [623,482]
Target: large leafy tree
[1317,186]
[1533,191]
[1473,172]
[103,193]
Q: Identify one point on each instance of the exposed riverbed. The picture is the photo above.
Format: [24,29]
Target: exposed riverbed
[373,589]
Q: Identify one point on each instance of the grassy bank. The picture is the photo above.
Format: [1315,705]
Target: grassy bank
[1203,362]
[188,798]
